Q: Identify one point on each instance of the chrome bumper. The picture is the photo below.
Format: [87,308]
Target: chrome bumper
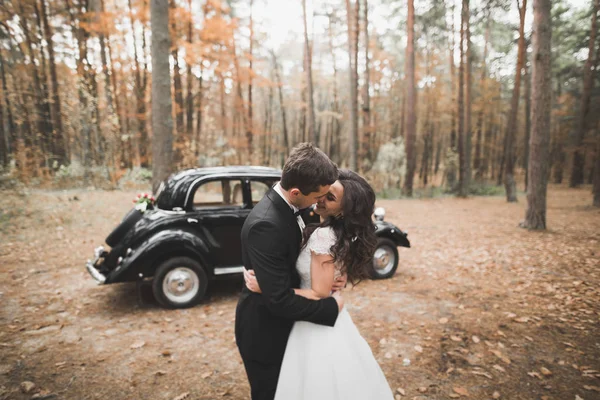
[90,266]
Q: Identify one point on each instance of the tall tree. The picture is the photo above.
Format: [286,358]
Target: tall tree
[162,119]
[477,161]
[189,101]
[462,141]
[511,125]
[312,131]
[535,216]
[59,146]
[352,16]
[468,99]
[286,137]
[584,109]
[411,117]
[366,144]
[250,123]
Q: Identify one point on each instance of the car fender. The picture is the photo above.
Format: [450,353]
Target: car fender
[392,232]
[143,259]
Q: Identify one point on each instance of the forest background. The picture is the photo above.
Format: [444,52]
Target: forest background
[435,96]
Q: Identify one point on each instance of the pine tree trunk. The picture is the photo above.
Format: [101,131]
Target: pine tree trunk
[162,118]
[468,101]
[311,128]
[179,131]
[286,136]
[140,136]
[335,124]
[527,123]
[584,110]
[596,183]
[199,113]
[352,16]
[189,101]
[477,161]
[250,123]
[59,144]
[511,126]
[462,166]
[11,134]
[535,216]
[411,118]
[366,152]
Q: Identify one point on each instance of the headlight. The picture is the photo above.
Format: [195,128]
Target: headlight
[379,213]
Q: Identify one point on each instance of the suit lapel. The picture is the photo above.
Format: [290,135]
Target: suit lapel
[286,215]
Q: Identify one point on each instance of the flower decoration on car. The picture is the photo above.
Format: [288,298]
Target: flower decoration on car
[143,201]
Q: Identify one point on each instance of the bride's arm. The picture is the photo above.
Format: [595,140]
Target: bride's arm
[322,271]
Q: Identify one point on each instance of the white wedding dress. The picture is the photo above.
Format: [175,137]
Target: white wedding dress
[328,363]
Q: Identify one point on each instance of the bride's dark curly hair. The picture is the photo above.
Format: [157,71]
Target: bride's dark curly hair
[354,230]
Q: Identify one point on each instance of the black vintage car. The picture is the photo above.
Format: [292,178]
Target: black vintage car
[192,234]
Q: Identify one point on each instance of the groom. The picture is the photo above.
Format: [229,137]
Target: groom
[271,239]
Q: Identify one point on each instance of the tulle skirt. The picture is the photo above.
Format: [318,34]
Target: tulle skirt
[325,363]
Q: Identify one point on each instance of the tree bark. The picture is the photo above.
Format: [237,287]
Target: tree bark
[352,16]
[179,129]
[527,123]
[367,126]
[584,110]
[511,125]
[250,123]
[462,168]
[468,97]
[59,145]
[286,136]
[162,118]
[311,129]
[411,118]
[535,216]
[477,161]
[190,78]
[140,137]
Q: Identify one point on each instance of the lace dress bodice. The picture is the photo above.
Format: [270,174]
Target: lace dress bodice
[320,242]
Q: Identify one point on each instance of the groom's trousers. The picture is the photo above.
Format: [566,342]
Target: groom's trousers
[263,379]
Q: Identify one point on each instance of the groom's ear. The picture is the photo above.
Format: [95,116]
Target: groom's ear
[294,192]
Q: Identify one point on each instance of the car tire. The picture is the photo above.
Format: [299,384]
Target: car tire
[130,219]
[179,282]
[385,259]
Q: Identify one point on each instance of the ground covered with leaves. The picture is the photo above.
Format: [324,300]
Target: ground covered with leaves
[479,308]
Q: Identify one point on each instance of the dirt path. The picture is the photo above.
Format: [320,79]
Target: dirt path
[478,307]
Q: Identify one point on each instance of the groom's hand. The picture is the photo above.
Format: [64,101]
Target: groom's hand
[340,300]
[339,283]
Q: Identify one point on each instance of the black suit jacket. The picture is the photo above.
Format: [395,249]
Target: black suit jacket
[271,242]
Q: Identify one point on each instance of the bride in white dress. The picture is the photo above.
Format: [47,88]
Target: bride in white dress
[324,363]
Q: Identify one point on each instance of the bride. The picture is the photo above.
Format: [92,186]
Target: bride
[322,362]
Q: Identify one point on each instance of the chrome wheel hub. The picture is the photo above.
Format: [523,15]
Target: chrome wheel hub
[383,260]
[180,285]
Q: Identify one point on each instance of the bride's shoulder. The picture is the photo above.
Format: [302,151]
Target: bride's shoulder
[323,233]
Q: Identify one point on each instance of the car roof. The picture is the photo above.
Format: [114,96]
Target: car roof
[177,186]
[195,173]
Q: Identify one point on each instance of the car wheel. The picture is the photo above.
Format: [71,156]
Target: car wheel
[130,219]
[385,259]
[179,282]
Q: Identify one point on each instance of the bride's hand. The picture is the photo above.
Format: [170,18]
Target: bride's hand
[251,282]
[339,283]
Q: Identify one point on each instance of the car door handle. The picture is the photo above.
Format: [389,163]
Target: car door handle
[192,220]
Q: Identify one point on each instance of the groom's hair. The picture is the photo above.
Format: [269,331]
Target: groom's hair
[307,168]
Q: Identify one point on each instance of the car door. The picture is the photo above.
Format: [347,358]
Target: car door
[217,212]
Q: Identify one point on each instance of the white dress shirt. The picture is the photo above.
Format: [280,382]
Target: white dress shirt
[295,209]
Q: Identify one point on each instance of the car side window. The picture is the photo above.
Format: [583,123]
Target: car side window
[221,193]
[260,188]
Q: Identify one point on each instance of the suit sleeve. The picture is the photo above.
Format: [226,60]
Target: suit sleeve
[268,259]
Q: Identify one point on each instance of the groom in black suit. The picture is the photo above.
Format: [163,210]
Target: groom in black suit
[271,239]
